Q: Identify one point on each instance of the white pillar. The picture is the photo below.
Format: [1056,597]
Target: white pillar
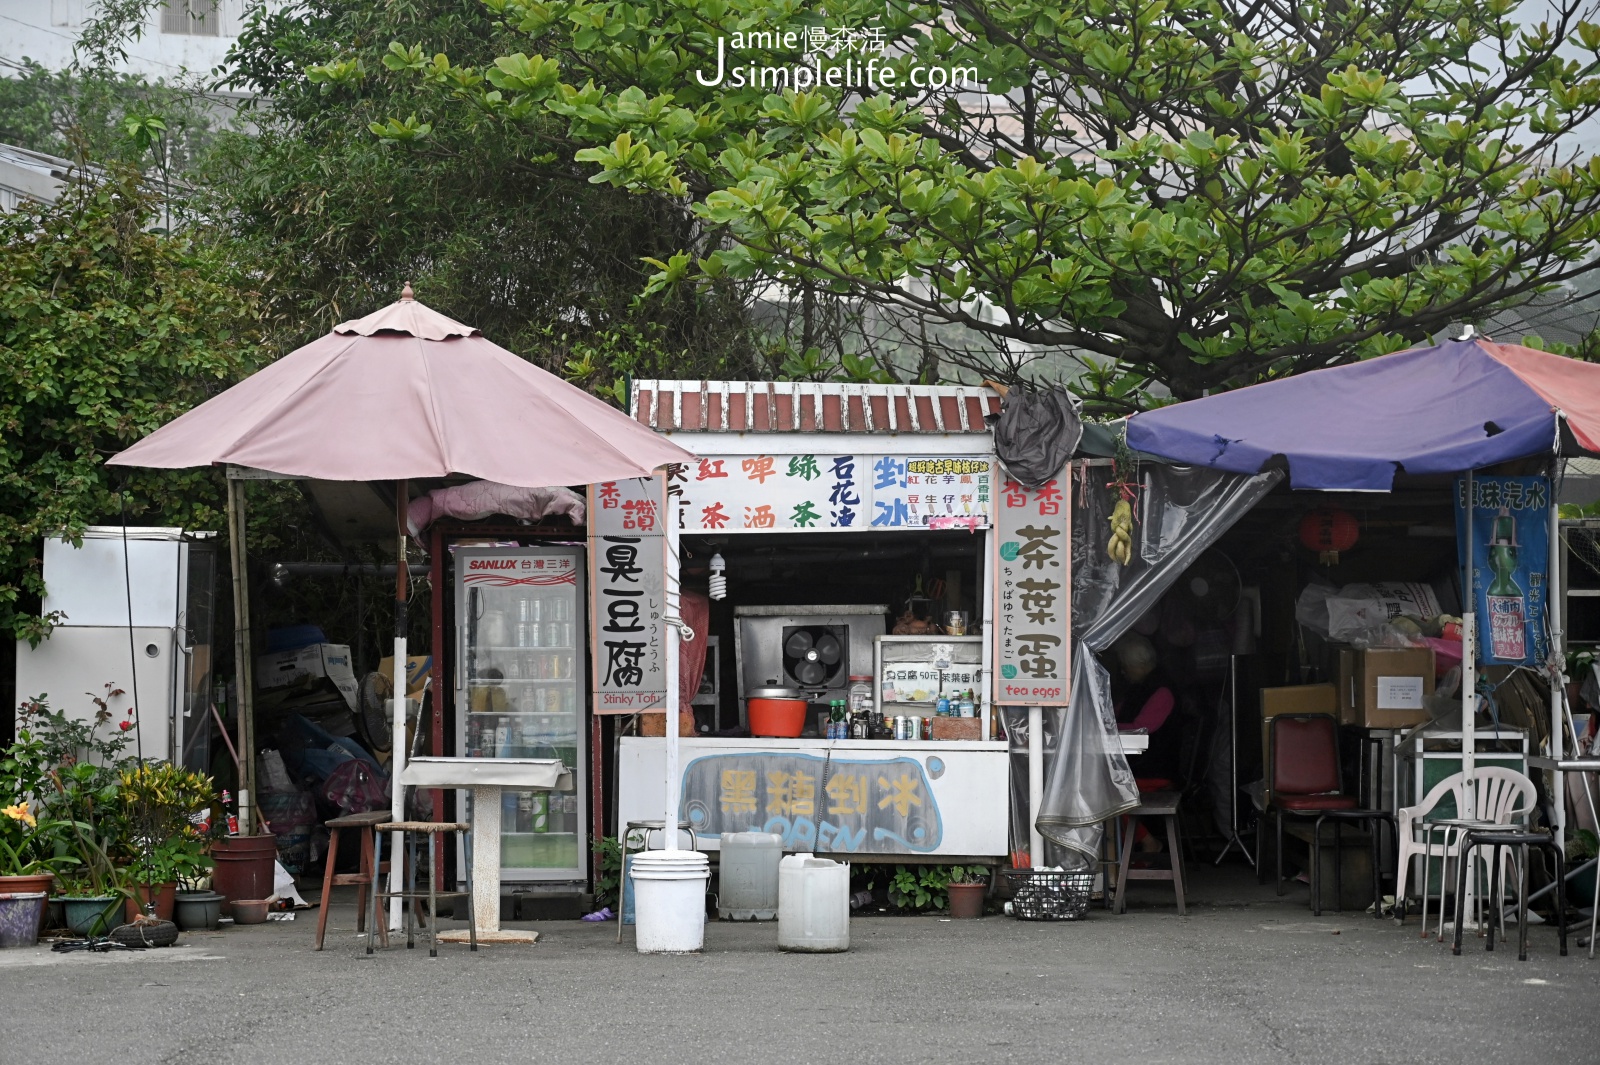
[669,834]
[1035,783]
[397,790]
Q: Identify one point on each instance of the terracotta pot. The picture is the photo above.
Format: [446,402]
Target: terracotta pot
[966,900]
[21,885]
[250,911]
[243,867]
[166,895]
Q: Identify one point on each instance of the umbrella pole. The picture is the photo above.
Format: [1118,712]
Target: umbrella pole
[672,620]
[397,744]
[244,680]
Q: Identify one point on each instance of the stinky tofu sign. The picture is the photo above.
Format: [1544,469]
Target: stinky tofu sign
[627,580]
[1033,593]
[798,493]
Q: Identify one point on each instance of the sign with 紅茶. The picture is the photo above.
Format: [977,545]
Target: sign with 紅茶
[1033,593]
[627,582]
[823,492]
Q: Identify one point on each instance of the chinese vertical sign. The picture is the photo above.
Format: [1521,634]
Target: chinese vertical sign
[627,579]
[1033,593]
[1510,559]
[789,493]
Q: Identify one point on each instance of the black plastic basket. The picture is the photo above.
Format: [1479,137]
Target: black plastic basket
[1049,895]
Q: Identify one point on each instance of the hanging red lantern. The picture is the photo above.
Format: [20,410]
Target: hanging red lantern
[1329,530]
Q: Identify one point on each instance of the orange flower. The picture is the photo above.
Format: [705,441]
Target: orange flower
[19,812]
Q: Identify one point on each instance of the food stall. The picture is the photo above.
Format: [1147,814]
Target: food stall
[881,587]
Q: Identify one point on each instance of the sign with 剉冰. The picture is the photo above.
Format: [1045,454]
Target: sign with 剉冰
[830,492]
[627,587]
[1033,593]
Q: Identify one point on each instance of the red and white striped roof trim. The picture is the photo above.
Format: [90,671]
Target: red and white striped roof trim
[807,407]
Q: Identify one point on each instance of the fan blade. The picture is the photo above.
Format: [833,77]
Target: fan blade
[797,644]
[828,649]
[810,672]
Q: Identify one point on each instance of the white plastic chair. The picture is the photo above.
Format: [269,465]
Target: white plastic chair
[1503,796]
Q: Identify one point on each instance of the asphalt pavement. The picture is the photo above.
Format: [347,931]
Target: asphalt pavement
[1248,979]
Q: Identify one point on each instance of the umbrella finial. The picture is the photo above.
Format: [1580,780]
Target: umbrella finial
[406,293]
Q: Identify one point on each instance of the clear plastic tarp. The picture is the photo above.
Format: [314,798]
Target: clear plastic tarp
[1181,512]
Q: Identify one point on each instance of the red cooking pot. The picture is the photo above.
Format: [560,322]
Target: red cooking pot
[776,712]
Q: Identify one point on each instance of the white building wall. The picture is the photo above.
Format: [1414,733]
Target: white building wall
[45,31]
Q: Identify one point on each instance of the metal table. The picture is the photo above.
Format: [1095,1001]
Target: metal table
[487,777]
[1576,765]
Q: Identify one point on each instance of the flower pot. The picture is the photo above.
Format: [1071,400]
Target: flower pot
[93,915]
[250,911]
[20,916]
[165,894]
[28,884]
[966,900]
[197,911]
[243,867]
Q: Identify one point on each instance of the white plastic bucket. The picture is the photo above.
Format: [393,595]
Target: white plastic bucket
[670,892]
[747,876]
[813,904]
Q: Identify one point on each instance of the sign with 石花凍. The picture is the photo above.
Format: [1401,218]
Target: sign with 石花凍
[1033,593]
[627,582]
[830,492]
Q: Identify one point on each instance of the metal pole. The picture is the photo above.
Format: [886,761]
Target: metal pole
[669,833]
[397,743]
[1554,601]
[1469,664]
[1035,783]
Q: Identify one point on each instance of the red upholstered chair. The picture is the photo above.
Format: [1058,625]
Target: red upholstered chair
[1304,782]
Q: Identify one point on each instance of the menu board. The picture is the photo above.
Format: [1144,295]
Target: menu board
[627,581]
[830,492]
[1033,593]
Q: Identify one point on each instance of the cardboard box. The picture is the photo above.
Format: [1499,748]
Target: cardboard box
[320,661]
[417,667]
[957,728]
[1385,687]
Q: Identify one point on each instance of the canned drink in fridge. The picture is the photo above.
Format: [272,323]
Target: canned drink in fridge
[552,634]
[522,634]
[523,609]
[535,609]
[560,610]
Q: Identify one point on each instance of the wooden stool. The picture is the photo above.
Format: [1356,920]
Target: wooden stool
[1162,804]
[410,896]
[364,824]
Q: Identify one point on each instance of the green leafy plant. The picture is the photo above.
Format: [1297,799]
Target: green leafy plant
[1582,845]
[607,870]
[162,808]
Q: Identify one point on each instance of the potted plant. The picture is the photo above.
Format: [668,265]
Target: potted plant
[968,885]
[162,807]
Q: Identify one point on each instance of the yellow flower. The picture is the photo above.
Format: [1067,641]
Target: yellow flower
[19,812]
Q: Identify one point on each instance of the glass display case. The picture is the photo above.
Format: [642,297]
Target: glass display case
[519,681]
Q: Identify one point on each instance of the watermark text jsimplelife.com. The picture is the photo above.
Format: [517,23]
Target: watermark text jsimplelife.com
[842,58]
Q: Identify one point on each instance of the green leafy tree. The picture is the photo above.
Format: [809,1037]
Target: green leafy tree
[1199,193]
[107,331]
[492,226]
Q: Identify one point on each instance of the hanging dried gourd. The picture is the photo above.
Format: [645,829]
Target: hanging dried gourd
[1125,479]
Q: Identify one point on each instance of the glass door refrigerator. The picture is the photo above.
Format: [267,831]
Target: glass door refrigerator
[519,693]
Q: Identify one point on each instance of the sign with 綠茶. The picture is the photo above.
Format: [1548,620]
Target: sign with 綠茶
[829,492]
[1033,593]
[627,582]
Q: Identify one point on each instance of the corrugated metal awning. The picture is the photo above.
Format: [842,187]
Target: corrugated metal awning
[808,407]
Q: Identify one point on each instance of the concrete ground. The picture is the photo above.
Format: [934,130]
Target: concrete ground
[1245,978]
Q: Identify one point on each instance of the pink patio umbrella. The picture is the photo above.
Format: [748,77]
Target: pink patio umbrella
[404,393]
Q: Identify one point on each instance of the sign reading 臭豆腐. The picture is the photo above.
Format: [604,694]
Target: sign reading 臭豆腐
[627,581]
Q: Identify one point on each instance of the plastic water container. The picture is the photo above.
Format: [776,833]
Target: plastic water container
[813,904]
[670,892]
[747,880]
